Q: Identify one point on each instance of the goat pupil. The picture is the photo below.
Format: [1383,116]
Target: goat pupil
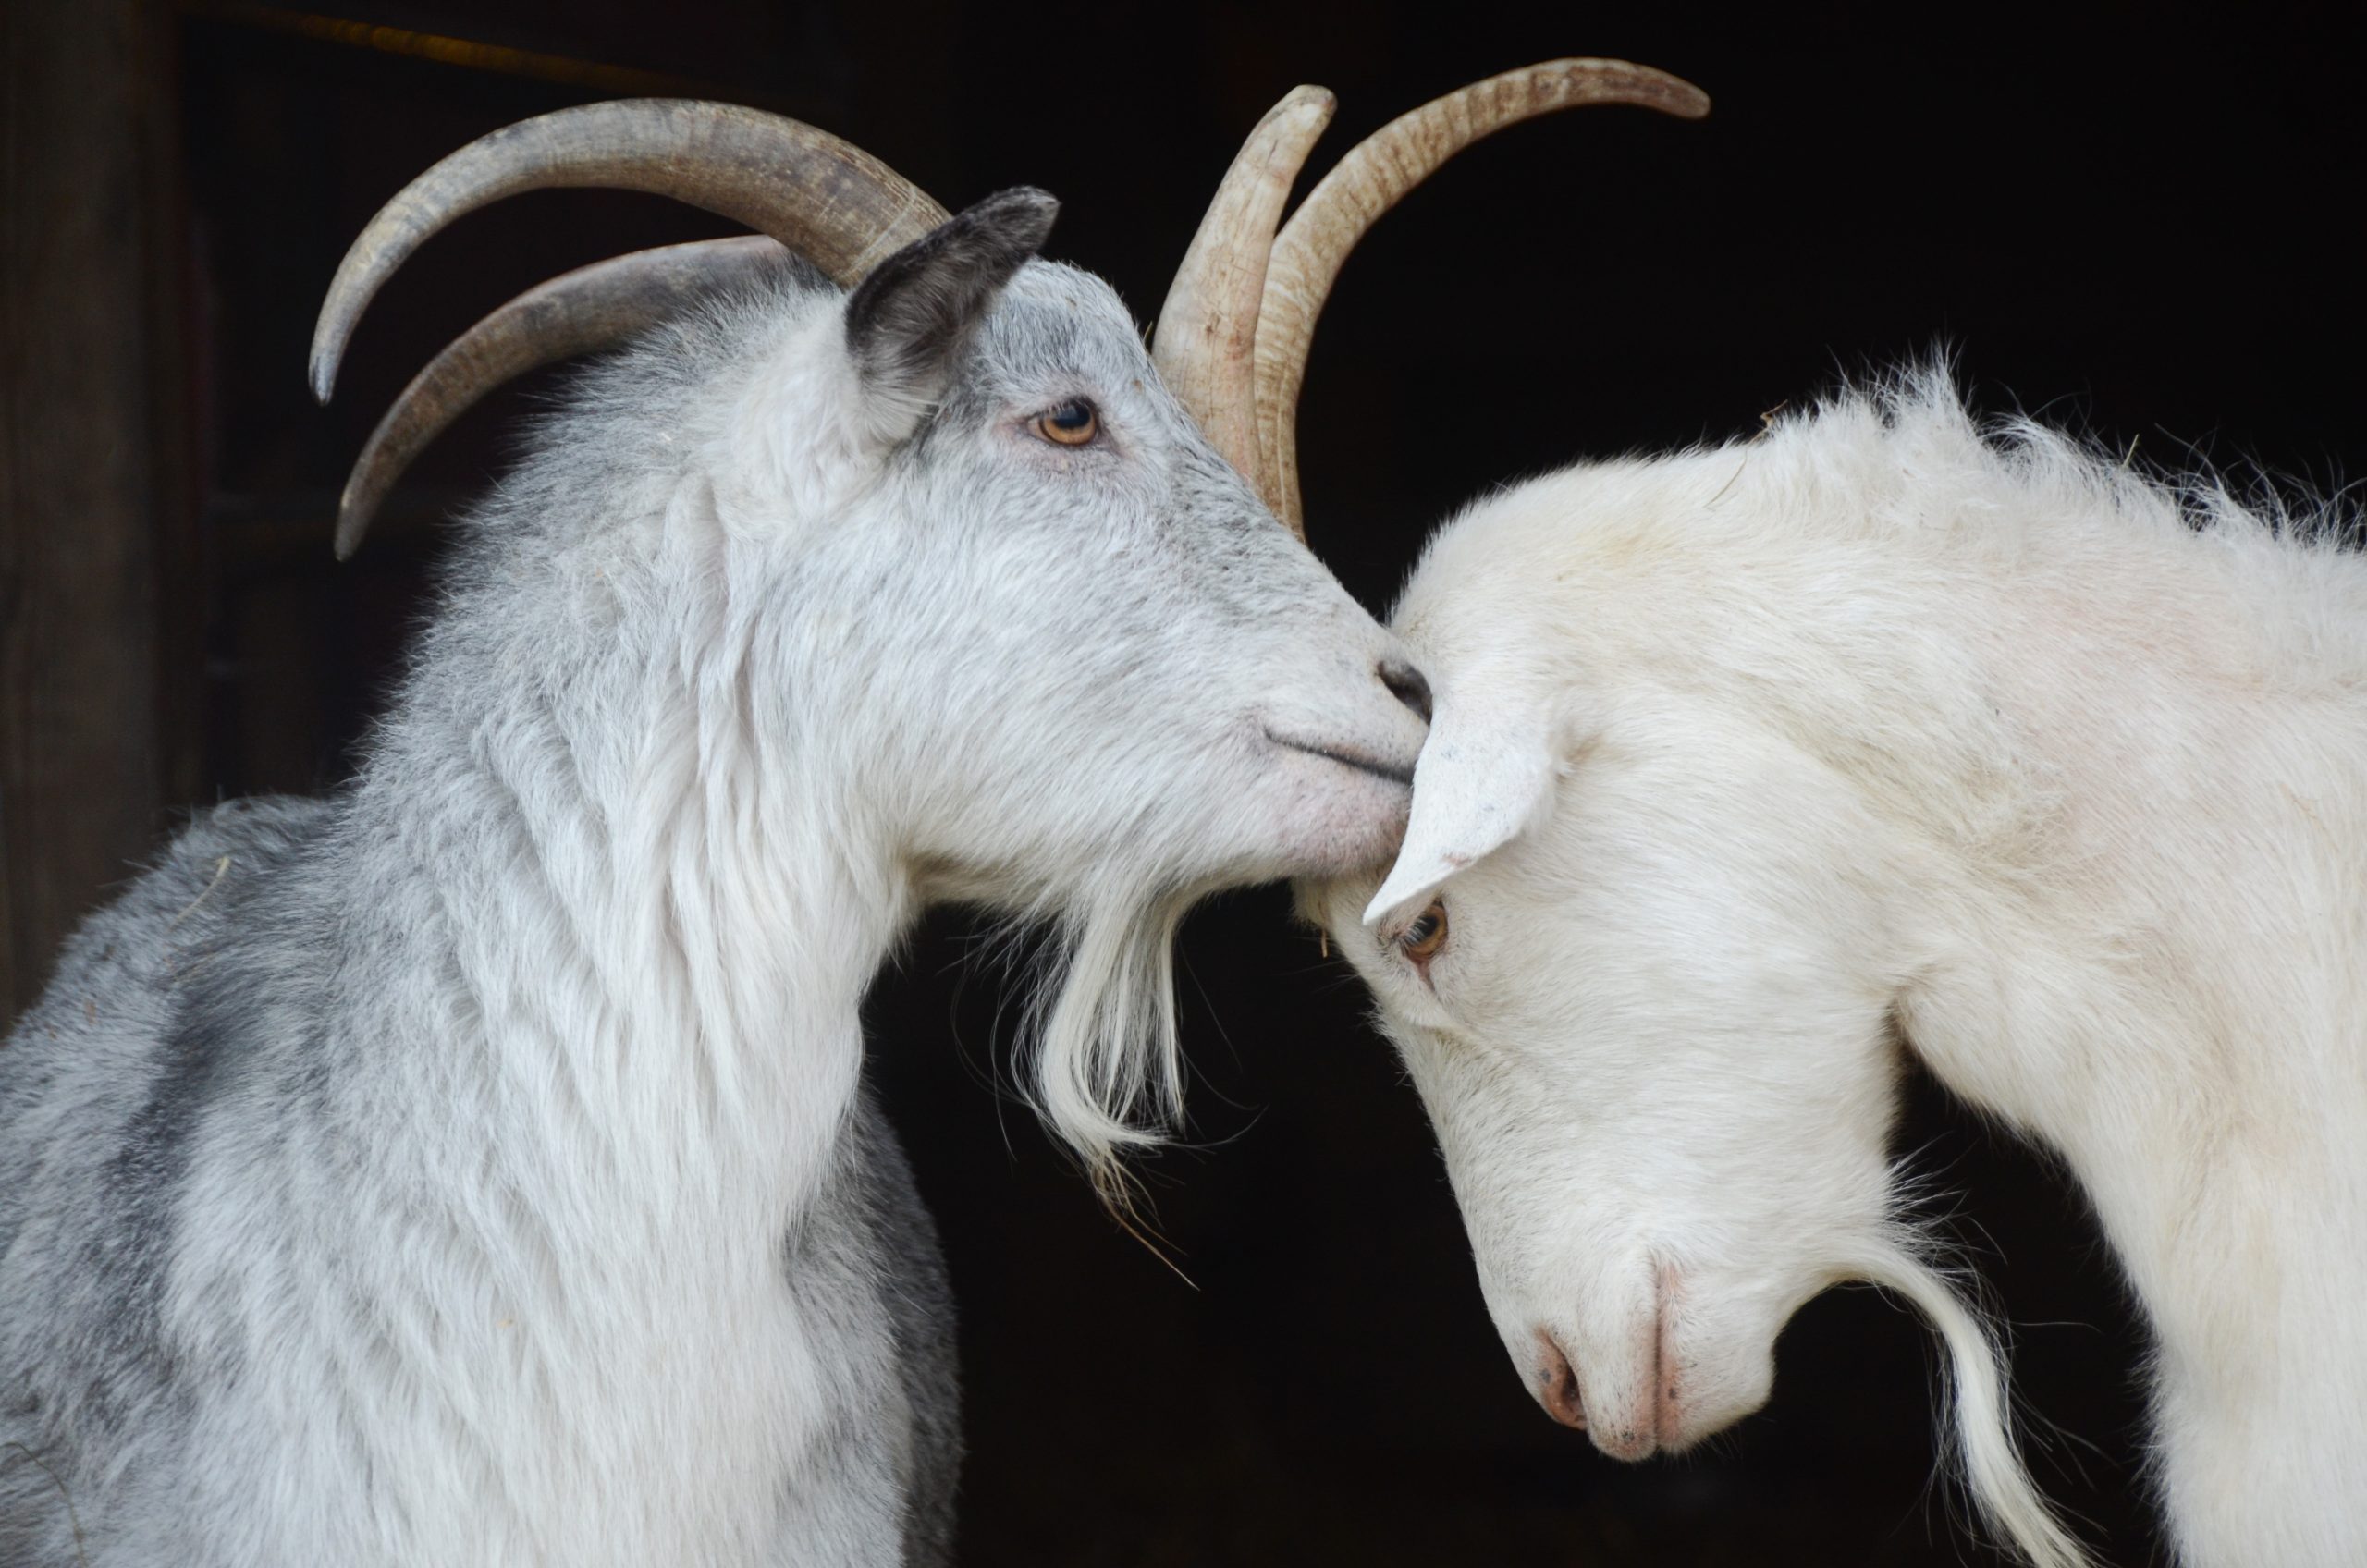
[1071,416]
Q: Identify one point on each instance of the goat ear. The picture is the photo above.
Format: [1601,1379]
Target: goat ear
[1486,773]
[910,320]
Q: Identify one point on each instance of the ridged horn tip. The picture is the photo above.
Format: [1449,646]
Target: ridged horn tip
[1206,340]
[582,312]
[829,201]
[1306,256]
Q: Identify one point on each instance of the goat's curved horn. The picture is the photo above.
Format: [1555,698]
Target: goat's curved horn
[1207,330]
[577,313]
[829,201]
[1370,179]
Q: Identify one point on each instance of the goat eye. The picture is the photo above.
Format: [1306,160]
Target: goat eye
[1422,940]
[1071,424]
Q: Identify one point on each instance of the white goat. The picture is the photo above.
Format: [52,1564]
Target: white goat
[402,1178]
[1750,764]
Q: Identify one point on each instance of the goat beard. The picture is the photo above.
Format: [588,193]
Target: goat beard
[1979,1434]
[1109,1063]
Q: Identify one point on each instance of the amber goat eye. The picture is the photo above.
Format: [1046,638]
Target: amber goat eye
[1422,940]
[1071,425]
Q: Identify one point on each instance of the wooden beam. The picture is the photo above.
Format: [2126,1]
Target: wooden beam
[79,753]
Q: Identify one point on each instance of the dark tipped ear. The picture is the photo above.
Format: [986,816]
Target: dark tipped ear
[910,320]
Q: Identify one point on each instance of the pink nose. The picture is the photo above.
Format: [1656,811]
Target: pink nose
[1559,1384]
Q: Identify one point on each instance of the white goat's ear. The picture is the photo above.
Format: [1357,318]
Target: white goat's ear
[910,320]
[1486,773]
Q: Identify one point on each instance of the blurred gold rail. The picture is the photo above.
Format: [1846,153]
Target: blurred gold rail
[468,54]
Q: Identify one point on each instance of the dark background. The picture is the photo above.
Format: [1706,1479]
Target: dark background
[2134,219]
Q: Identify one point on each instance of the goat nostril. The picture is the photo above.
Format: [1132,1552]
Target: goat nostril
[1405,683]
[1560,1385]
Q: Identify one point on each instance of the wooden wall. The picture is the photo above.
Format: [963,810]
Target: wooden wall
[88,525]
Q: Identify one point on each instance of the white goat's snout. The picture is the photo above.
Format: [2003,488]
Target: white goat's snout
[1593,1358]
[1632,1413]
[1557,1386]
[1637,1383]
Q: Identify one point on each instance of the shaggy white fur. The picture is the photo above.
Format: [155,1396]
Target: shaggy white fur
[1751,763]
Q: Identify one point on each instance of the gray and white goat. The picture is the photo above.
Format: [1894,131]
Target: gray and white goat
[403,1177]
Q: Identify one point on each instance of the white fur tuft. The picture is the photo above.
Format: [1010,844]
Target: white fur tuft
[1973,1391]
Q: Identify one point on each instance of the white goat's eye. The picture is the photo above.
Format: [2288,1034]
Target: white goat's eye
[1073,424]
[1422,940]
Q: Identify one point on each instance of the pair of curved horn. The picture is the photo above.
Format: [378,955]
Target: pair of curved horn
[1232,341]
[1234,335]
[824,199]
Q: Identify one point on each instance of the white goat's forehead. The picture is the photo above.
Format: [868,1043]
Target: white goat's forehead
[1524,557]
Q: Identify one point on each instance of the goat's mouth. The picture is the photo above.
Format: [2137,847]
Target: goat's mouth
[1348,756]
